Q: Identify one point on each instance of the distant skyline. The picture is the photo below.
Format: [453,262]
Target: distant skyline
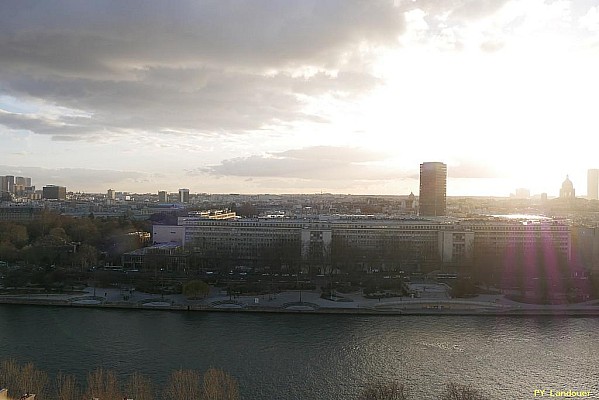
[299,96]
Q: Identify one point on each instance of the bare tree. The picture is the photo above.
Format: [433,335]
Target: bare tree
[103,384]
[67,387]
[218,385]
[139,387]
[385,391]
[25,379]
[456,391]
[183,384]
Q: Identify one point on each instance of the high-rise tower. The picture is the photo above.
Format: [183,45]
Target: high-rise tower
[433,189]
[183,195]
[593,184]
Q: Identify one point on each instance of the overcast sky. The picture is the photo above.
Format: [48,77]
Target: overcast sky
[299,96]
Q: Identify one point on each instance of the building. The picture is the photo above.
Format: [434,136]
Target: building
[168,257]
[433,189]
[52,192]
[593,184]
[567,191]
[162,196]
[522,193]
[409,243]
[9,184]
[20,180]
[111,194]
[20,213]
[184,196]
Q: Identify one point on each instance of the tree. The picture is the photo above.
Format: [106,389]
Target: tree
[139,387]
[8,251]
[67,388]
[195,289]
[218,385]
[14,233]
[86,256]
[456,391]
[23,379]
[103,384]
[384,391]
[183,384]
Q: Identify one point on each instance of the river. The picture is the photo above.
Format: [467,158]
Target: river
[288,356]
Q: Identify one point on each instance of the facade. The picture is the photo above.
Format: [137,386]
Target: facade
[433,189]
[496,236]
[170,257]
[408,241]
[52,192]
[20,180]
[9,183]
[20,213]
[184,196]
[593,184]
[168,234]
[162,196]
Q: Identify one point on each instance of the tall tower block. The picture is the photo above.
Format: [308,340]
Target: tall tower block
[433,189]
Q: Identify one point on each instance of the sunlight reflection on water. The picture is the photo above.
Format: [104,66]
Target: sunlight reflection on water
[312,356]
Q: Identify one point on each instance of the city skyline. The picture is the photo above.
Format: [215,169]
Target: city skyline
[518,192]
[269,97]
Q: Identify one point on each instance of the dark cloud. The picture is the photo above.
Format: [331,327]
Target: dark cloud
[320,163]
[204,67]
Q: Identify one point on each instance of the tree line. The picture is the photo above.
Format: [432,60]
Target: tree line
[102,384]
[55,239]
[213,384]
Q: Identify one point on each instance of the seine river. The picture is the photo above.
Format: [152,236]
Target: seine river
[287,356]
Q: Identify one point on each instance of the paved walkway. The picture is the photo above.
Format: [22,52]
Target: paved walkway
[433,298]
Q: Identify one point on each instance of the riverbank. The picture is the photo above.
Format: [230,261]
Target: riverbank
[305,303]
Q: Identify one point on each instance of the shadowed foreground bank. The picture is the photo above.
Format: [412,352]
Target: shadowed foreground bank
[101,384]
[214,384]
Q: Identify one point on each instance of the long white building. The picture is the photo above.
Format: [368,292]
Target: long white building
[440,240]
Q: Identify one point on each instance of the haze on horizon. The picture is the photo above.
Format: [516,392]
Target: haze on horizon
[299,96]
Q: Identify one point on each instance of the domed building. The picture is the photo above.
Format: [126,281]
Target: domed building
[567,191]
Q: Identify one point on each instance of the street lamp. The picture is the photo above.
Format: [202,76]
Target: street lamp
[162,283]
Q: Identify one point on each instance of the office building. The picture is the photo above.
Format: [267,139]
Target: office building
[23,181]
[162,196]
[411,241]
[433,189]
[9,184]
[593,184]
[52,192]
[183,195]
[111,194]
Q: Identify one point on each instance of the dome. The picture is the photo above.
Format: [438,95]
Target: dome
[567,190]
[567,183]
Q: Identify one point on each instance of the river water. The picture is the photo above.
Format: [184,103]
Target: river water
[288,356]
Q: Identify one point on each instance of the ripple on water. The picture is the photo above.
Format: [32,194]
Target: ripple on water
[311,356]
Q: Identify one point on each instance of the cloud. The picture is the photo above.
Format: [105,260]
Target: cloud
[81,179]
[319,163]
[204,67]
[468,169]
[590,20]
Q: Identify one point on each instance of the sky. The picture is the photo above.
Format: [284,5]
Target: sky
[301,96]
